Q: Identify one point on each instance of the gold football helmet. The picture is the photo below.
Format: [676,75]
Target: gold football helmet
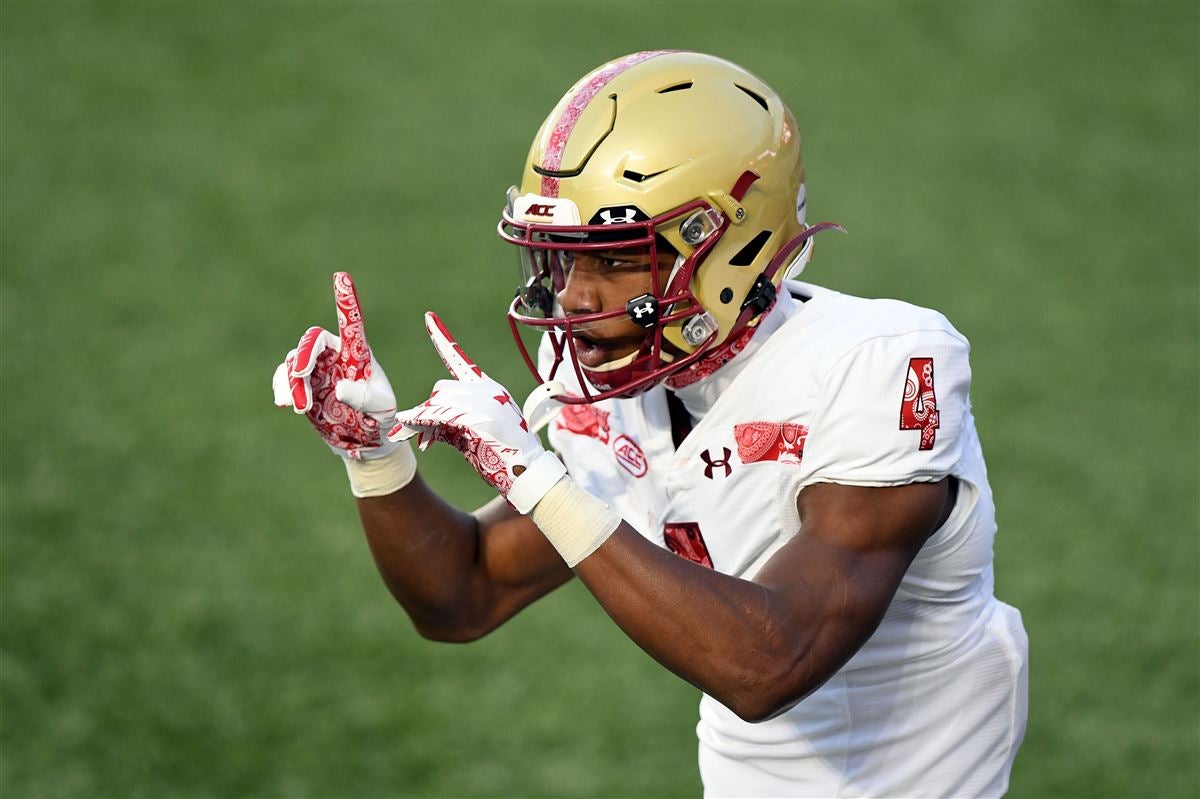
[669,151]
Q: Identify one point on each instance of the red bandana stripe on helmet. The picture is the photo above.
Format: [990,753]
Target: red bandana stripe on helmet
[566,123]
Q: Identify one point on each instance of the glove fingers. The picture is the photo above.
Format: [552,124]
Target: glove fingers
[355,353]
[402,432]
[452,355]
[441,415]
[314,341]
[300,389]
[280,385]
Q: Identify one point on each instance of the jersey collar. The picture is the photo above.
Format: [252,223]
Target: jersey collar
[713,376]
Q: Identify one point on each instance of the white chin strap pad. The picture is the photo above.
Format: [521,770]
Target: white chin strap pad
[540,407]
[798,263]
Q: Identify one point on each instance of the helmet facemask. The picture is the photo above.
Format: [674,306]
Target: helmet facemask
[547,253]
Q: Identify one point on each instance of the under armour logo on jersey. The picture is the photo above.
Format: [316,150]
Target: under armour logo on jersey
[710,464]
[643,310]
[627,215]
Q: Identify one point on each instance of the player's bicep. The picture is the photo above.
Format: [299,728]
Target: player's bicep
[836,578]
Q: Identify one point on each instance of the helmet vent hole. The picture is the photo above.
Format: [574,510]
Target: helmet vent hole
[747,254]
[758,98]
[678,87]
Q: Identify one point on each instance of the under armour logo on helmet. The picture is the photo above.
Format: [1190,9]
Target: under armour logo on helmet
[710,464]
[643,310]
[607,218]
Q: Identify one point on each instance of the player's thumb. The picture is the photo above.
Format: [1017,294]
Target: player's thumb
[354,393]
[368,396]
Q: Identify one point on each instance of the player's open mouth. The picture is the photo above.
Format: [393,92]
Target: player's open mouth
[590,352]
[602,355]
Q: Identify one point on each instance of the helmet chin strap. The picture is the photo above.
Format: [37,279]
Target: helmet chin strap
[762,293]
[679,260]
[799,262]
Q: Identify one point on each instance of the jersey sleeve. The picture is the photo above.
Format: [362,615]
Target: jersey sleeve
[893,411]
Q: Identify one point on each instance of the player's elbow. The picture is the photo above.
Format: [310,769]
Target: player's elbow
[450,635]
[762,703]
[769,685]
[456,629]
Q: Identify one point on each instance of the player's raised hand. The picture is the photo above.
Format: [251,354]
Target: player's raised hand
[336,382]
[457,363]
[478,417]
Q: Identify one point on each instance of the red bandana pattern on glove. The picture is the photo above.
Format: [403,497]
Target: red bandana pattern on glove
[477,416]
[336,382]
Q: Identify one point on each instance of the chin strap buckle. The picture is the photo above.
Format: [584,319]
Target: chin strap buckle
[761,295]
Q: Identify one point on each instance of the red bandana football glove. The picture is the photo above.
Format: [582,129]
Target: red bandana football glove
[478,417]
[336,382]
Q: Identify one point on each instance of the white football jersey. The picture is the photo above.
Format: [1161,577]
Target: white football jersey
[833,388]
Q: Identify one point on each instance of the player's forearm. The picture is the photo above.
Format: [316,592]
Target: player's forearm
[727,636]
[427,552]
[458,575]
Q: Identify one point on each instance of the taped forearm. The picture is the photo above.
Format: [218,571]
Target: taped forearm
[574,521]
[382,476]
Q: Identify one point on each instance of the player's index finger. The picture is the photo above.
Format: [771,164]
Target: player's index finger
[351,327]
[345,295]
[457,362]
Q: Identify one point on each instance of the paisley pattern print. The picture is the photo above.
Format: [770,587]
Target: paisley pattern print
[770,441]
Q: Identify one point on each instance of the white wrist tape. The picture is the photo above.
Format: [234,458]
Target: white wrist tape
[382,476]
[574,521]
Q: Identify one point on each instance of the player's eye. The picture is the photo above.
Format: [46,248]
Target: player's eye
[616,263]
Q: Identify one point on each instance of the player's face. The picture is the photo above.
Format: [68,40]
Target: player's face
[606,281]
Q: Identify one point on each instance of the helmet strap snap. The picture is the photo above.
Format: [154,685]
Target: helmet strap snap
[761,295]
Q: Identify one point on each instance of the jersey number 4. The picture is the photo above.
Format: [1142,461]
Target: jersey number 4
[918,408]
[685,540]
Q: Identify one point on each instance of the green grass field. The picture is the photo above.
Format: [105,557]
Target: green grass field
[188,608]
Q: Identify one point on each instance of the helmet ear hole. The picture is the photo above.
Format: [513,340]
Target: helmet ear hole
[747,254]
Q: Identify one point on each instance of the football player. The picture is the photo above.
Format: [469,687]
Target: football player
[775,489]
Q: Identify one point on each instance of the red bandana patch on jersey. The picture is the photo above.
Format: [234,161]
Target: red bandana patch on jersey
[770,441]
[584,420]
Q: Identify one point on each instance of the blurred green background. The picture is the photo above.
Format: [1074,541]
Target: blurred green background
[188,608]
